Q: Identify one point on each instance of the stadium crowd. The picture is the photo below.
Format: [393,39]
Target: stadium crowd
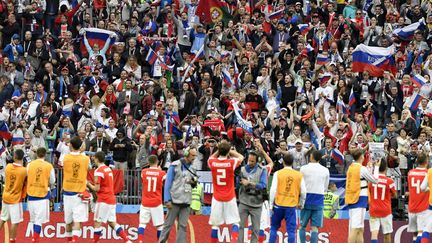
[138,78]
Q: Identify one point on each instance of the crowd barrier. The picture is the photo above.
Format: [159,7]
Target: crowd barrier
[198,231]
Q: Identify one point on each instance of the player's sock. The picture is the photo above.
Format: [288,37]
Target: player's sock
[141,234]
[234,232]
[36,232]
[120,232]
[214,235]
[374,241]
[75,235]
[159,231]
[314,237]
[418,240]
[261,236]
[12,240]
[69,236]
[425,237]
[302,234]
[97,234]
[249,234]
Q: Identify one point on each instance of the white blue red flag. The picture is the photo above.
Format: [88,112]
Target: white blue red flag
[418,80]
[98,36]
[352,98]
[414,101]
[241,122]
[338,156]
[277,14]
[322,59]
[407,32]
[227,78]
[373,60]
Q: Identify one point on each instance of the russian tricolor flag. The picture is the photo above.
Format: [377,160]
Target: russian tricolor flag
[418,80]
[322,59]
[227,78]
[151,57]
[407,32]
[338,156]
[277,15]
[4,131]
[17,141]
[373,59]
[414,101]
[341,107]
[172,129]
[98,36]
[304,28]
[352,98]
[325,77]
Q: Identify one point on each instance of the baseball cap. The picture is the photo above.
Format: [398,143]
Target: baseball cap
[284,109]
[253,86]
[159,102]
[298,141]
[65,68]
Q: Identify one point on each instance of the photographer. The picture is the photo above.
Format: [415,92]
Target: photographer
[251,194]
[180,180]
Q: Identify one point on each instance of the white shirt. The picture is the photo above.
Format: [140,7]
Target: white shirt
[111,133]
[63,148]
[369,176]
[274,188]
[316,177]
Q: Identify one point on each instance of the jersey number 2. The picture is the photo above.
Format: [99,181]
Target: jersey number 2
[221,175]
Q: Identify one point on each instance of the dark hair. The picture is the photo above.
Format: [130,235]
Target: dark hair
[288,159]
[422,158]
[76,143]
[356,154]
[100,156]
[224,148]
[383,166]
[316,155]
[153,159]
[41,152]
[253,153]
[18,154]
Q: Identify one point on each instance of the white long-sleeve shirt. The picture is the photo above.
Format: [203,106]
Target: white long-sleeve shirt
[316,178]
[366,174]
[274,188]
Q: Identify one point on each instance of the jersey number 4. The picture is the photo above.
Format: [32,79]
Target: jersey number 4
[220,177]
[416,183]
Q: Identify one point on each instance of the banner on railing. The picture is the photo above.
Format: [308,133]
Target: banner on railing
[198,231]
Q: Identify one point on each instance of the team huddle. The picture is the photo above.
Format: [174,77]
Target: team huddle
[367,186]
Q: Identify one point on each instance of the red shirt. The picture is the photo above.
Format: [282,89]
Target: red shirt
[223,177]
[418,201]
[104,177]
[152,182]
[380,197]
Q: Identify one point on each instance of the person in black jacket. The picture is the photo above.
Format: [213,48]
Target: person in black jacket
[121,147]
[207,149]
[7,91]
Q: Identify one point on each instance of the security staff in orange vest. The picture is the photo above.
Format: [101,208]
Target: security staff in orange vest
[287,192]
[356,194]
[426,186]
[40,178]
[13,192]
[75,197]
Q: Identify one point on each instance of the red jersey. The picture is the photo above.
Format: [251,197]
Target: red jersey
[418,201]
[223,178]
[152,182]
[380,197]
[104,177]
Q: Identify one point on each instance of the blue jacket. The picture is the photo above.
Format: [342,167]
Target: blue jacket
[9,51]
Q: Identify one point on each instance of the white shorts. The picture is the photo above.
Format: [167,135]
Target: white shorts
[224,212]
[418,221]
[386,223]
[39,211]
[75,209]
[14,212]
[105,212]
[156,214]
[356,218]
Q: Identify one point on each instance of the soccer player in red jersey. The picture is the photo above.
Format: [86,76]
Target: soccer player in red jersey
[224,205]
[105,209]
[151,203]
[380,209]
[417,199]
